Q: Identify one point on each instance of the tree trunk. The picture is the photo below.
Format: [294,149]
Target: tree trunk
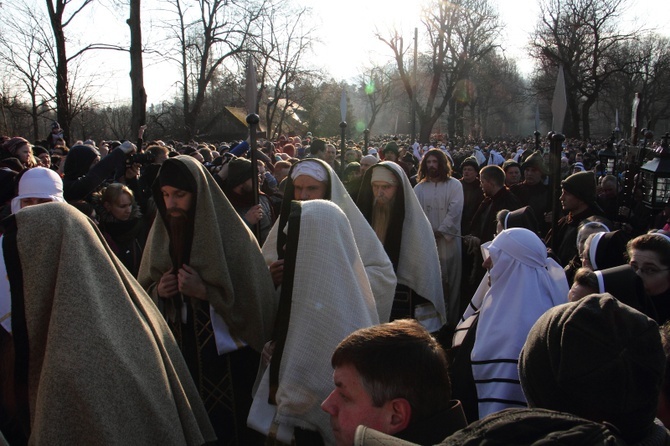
[62,91]
[139,95]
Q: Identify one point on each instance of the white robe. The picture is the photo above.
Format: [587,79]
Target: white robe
[377,264]
[443,205]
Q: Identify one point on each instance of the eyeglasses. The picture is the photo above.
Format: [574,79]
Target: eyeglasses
[648,271]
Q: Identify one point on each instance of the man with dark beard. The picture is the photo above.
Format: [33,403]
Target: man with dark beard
[441,197]
[203,267]
[388,202]
[239,190]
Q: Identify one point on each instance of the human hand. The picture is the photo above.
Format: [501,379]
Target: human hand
[133,171]
[254,215]
[266,354]
[277,272]
[190,283]
[167,285]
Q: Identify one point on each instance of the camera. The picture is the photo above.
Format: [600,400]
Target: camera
[142,158]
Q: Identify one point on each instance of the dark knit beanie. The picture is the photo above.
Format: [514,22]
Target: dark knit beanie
[537,161]
[391,147]
[582,185]
[239,171]
[174,173]
[596,358]
[470,161]
[510,163]
[39,150]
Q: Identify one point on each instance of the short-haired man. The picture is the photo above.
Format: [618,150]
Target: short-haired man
[393,378]
[497,198]
[388,202]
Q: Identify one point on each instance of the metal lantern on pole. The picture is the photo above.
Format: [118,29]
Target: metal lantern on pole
[608,157]
[656,177]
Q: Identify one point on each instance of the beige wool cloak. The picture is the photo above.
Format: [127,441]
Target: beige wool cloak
[227,257]
[100,364]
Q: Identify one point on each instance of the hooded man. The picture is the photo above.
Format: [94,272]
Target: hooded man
[312,179]
[238,189]
[87,357]
[389,204]
[316,311]
[203,266]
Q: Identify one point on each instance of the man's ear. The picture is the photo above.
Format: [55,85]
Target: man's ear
[401,414]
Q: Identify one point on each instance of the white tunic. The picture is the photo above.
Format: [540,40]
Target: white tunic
[443,205]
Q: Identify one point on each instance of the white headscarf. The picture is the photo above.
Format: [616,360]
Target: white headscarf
[524,284]
[377,263]
[38,182]
[325,308]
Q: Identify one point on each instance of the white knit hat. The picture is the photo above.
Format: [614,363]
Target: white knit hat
[39,182]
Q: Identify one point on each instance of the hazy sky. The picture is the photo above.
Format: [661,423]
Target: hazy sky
[346,28]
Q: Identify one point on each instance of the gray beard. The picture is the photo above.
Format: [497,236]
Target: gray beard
[381,218]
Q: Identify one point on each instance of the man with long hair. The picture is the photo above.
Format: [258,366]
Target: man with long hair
[441,198]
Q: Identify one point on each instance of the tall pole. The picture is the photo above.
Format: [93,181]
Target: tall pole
[367,141]
[413,112]
[559,106]
[252,120]
[343,126]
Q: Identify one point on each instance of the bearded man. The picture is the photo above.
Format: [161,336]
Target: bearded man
[239,190]
[203,267]
[441,198]
[312,179]
[390,205]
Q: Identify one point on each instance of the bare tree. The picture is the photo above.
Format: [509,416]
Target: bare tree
[459,33]
[280,41]
[207,38]
[139,94]
[377,87]
[25,49]
[582,36]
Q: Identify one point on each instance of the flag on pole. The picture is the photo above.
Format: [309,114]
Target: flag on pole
[560,102]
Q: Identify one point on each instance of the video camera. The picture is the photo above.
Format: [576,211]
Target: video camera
[142,158]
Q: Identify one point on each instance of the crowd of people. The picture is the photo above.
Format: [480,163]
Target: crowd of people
[164,292]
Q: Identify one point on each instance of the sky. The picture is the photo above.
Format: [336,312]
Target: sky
[346,29]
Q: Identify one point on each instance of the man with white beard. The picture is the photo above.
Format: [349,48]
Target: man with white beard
[389,204]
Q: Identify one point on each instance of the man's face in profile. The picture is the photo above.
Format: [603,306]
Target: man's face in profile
[349,406]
